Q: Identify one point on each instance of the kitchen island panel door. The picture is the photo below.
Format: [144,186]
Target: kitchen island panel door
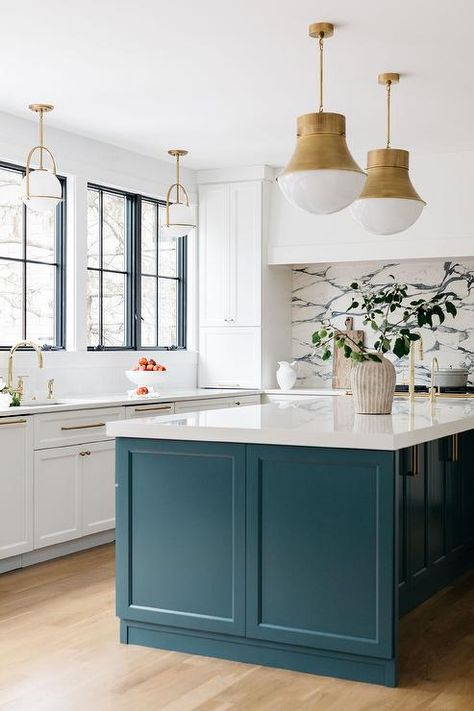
[320,548]
[181,534]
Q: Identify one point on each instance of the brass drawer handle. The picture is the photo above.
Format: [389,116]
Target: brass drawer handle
[152,409]
[66,428]
[83,454]
[12,422]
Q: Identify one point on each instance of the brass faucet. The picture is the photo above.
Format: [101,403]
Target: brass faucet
[411,382]
[13,349]
[434,369]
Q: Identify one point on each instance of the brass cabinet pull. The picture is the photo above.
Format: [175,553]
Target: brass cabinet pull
[12,422]
[82,427]
[83,454]
[414,461]
[152,409]
[455,448]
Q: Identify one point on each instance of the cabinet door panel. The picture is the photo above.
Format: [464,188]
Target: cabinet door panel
[98,488]
[16,486]
[230,357]
[245,253]
[181,534]
[214,255]
[57,483]
[466,441]
[320,549]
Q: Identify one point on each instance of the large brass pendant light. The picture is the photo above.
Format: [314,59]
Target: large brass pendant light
[40,189]
[322,176]
[179,217]
[389,203]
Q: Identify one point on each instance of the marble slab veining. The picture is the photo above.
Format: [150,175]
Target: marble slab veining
[322,291]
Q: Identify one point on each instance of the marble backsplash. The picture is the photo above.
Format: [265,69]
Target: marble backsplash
[322,291]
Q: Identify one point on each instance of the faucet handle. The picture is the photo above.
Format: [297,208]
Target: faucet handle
[51,389]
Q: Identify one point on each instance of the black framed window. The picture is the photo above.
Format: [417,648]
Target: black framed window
[161,283]
[32,266]
[136,296]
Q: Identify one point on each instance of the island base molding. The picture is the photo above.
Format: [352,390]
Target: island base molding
[371,670]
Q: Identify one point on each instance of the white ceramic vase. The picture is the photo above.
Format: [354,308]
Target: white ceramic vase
[373,385]
[286,374]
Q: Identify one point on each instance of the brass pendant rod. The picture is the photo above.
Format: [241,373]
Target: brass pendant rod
[321,70]
[389,93]
[177,177]
[41,137]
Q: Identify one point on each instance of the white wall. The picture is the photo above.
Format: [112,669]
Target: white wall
[445,229]
[83,160]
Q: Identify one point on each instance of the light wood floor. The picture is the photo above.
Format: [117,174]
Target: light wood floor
[59,651]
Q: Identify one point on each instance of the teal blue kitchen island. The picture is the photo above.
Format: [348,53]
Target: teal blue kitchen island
[290,555]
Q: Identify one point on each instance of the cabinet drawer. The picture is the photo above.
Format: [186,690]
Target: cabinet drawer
[58,429]
[198,405]
[246,400]
[158,408]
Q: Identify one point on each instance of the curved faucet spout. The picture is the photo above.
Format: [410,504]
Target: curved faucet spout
[22,344]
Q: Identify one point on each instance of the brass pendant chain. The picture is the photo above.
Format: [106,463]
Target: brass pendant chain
[321,58]
[389,91]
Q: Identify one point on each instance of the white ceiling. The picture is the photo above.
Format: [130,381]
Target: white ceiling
[227,78]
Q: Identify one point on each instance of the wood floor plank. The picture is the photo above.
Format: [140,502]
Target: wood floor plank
[59,651]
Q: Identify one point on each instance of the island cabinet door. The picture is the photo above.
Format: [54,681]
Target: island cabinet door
[321,548]
[466,461]
[180,523]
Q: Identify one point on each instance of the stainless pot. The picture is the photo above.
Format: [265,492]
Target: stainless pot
[451,377]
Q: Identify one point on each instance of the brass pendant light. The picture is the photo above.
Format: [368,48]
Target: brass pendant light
[40,189]
[322,177]
[179,216]
[388,203]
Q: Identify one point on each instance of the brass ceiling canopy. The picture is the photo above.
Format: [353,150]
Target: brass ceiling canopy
[321,146]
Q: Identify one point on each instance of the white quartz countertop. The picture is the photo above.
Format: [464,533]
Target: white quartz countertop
[96,401]
[314,422]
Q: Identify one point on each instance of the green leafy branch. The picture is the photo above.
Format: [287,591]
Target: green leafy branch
[392,314]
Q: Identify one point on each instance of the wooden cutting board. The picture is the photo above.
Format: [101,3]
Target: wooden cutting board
[341,367]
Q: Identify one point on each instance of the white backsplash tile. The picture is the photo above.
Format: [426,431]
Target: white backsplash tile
[322,291]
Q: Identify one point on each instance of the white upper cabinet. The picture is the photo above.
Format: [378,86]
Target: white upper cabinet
[230,254]
[16,486]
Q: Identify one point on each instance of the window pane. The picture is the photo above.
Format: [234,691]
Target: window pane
[148,246]
[40,298]
[167,254]
[40,235]
[11,215]
[114,310]
[93,231]
[167,310]
[11,297]
[148,323]
[114,231]
[93,308]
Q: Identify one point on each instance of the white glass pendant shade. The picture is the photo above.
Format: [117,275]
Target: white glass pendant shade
[321,191]
[181,220]
[386,216]
[44,191]
[322,177]
[388,203]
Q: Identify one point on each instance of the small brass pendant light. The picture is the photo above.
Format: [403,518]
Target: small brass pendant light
[322,176]
[40,189]
[388,203]
[179,217]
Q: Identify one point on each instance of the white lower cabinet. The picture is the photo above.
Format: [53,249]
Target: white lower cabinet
[98,488]
[74,492]
[230,357]
[16,486]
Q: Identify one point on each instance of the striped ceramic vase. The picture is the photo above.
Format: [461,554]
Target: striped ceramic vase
[373,385]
